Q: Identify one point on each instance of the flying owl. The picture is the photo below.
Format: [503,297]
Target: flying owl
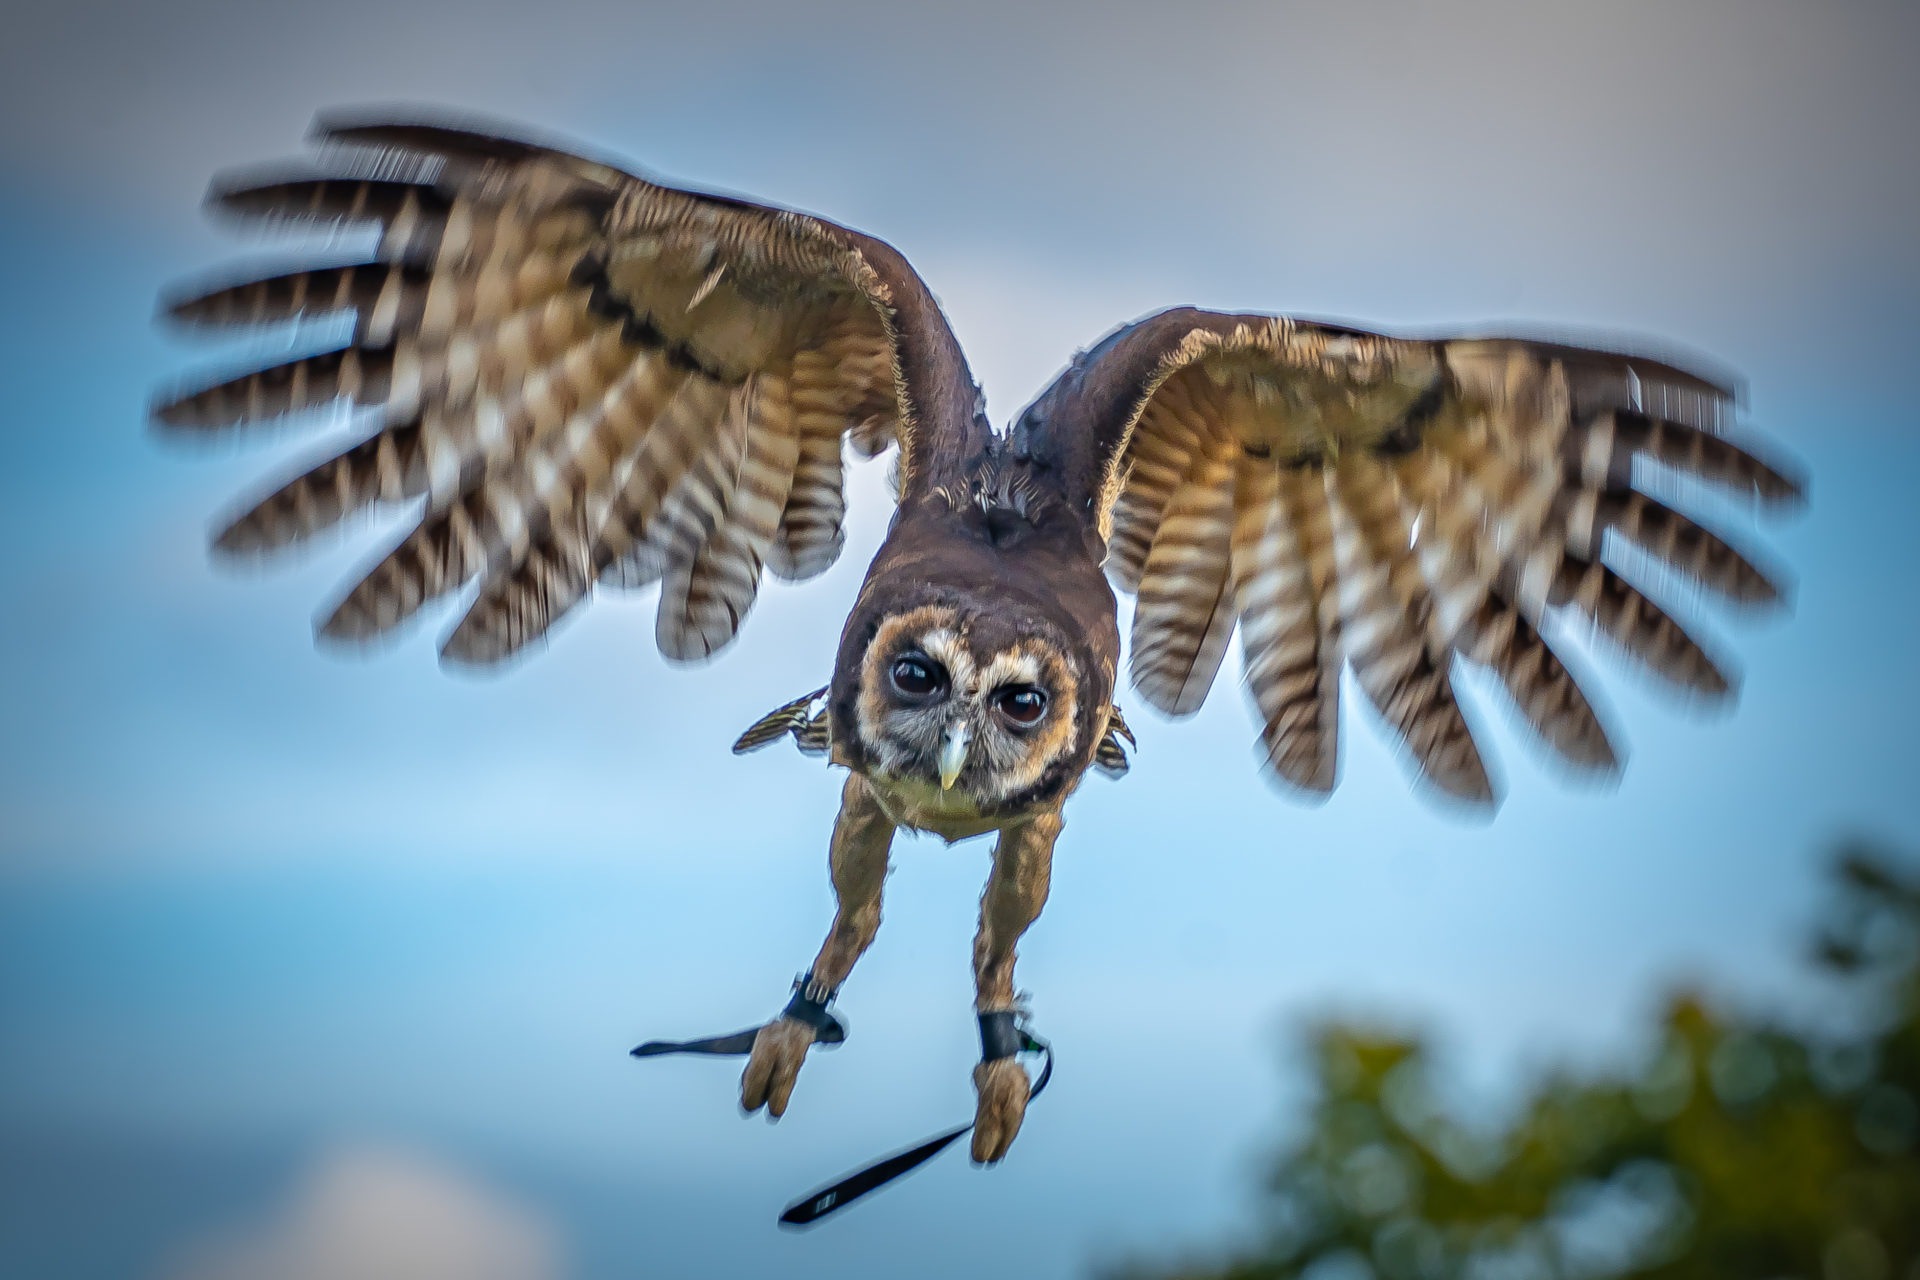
[583,378]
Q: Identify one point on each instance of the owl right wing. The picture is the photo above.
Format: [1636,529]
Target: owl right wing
[1391,506]
[583,376]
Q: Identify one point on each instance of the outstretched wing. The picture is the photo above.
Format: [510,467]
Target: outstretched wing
[581,376]
[1351,500]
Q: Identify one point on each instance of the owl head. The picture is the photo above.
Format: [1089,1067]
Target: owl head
[986,705]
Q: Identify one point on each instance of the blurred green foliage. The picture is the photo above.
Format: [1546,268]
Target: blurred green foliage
[1737,1149]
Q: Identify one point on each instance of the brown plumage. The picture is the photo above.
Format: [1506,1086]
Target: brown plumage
[1399,503]
[585,378]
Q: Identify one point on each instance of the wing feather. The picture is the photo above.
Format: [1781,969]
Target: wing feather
[810,533]
[388,466]
[1184,617]
[1156,470]
[796,717]
[385,296]
[1385,610]
[1601,451]
[1640,629]
[1476,614]
[587,375]
[362,375]
[1396,504]
[544,576]
[1693,552]
[1110,757]
[469,410]
[724,578]
[688,521]
[412,215]
[1290,658]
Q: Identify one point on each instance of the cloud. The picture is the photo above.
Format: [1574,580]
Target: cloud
[378,1213]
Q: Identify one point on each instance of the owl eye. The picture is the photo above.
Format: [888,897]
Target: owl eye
[1022,704]
[917,677]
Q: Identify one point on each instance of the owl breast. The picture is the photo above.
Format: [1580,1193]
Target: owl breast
[924,806]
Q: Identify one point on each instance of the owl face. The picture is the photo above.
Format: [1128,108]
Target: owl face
[979,706]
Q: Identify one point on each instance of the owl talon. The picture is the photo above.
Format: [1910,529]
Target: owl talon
[774,1065]
[1002,1087]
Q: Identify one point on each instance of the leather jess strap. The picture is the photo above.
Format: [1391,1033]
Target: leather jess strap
[827,1029]
[1001,1036]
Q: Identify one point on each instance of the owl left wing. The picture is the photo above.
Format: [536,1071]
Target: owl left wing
[580,376]
[1353,500]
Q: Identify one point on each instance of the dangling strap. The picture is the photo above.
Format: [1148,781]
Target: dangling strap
[1001,1036]
[803,1007]
[736,1045]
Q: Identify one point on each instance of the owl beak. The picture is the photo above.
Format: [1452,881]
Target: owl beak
[953,755]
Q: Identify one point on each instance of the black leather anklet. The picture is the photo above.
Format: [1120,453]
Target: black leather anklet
[1000,1035]
[827,1029]
[812,1010]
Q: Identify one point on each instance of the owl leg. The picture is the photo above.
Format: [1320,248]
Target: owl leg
[862,835]
[1017,889]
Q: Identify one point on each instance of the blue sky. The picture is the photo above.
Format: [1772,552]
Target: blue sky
[260,903]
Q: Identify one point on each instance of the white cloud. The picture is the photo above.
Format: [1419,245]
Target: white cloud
[377,1213]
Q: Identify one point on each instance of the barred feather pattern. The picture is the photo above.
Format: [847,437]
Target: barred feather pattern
[809,729]
[1162,450]
[540,575]
[1537,566]
[389,466]
[1477,616]
[810,533]
[1184,616]
[723,577]
[551,443]
[842,390]
[815,737]
[1490,516]
[1110,755]
[689,520]
[587,377]
[1384,612]
[387,297]
[1693,552]
[1289,658]
[471,409]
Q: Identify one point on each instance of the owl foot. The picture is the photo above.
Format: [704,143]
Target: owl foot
[778,1050]
[773,1063]
[1003,1088]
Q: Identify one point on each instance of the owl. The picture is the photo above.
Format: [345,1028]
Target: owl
[578,378]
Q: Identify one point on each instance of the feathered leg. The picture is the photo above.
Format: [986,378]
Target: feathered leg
[862,835]
[1017,889]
